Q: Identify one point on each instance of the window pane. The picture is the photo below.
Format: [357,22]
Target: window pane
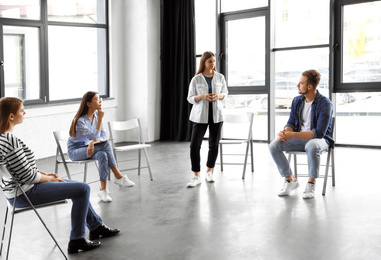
[301,23]
[249,103]
[362,108]
[20,9]
[205,17]
[21,62]
[235,5]
[288,70]
[77,11]
[77,61]
[362,42]
[250,69]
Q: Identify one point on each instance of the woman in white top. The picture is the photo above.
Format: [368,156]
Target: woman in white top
[207,89]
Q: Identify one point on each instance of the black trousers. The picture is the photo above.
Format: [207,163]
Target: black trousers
[198,132]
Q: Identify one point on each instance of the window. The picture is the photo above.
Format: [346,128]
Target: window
[205,16]
[21,62]
[358,63]
[236,5]
[20,9]
[53,55]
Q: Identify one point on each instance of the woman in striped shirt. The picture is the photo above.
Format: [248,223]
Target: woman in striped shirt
[42,187]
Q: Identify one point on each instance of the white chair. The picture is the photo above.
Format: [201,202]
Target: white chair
[330,156]
[62,158]
[13,211]
[238,122]
[134,128]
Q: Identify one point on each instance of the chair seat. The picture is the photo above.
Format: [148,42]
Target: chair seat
[304,152]
[233,141]
[77,162]
[131,147]
[38,206]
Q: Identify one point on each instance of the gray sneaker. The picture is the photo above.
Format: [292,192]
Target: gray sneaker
[288,187]
[309,192]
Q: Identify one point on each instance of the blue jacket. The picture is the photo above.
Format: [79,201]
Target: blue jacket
[321,117]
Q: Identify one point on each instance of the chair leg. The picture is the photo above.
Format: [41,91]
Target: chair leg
[5,223]
[56,167]
[326,171]
[139,161]
[245,162]
[148,163]
[252,155]
[11,227]
[221,160]
[42,221]
[333,167]
[67,171]
[85,173]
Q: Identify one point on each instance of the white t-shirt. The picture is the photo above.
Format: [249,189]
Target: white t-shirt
[306,116]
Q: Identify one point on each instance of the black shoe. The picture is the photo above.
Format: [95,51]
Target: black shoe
[103,231]
[82,244]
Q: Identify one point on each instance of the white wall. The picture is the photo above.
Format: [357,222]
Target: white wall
[134,79]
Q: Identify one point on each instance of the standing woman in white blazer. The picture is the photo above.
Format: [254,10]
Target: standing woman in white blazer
[207,89]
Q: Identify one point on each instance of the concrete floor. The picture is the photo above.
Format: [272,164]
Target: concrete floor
[230,219]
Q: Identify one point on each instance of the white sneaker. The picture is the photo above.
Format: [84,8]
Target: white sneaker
[309,192]
[194,182]
[288,187]
[209,176]
[104,195]
[124,181]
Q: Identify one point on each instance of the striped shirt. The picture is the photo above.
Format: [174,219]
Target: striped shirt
[19,161]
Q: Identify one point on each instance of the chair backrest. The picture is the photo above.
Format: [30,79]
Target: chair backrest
[238,121]
[118,126]
[60,136]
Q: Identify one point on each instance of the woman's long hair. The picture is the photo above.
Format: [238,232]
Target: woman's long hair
[83,108]
[205,56]
[8,106]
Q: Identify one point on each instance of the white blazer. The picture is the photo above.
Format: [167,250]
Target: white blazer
[200,109]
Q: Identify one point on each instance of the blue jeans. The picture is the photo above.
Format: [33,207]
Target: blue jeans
[311,146]
[82,213]
[102,152]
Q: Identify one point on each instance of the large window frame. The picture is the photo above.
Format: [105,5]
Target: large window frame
[340,86]
[43,26]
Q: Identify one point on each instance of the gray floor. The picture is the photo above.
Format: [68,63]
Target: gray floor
[230,219]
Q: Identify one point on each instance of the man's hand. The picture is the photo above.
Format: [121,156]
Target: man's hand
[285,135]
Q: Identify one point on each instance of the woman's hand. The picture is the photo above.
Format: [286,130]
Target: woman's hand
[90,149]
[207,97]
[101,113]
[55,177]
[50,177]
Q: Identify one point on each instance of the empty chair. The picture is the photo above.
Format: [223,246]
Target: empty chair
[330,156]
[242,124]
[12,210]
[61,137]
[134,128]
